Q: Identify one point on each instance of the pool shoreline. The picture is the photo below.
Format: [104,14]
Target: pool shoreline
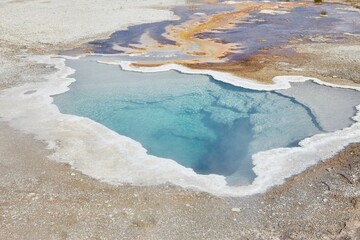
[214,184]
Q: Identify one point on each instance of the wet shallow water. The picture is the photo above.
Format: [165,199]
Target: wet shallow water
[209,126]
[252,35]
[156,30]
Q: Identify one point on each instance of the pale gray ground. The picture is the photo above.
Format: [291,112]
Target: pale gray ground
[42,199]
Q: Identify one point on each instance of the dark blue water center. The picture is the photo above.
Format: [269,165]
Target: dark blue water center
[201,123]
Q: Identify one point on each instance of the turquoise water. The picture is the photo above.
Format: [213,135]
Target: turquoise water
[209,126]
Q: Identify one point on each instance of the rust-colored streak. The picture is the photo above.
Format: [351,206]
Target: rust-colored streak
[211,54]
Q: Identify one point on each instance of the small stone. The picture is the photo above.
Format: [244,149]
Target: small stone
[356,203]
[325,200]
[235,209]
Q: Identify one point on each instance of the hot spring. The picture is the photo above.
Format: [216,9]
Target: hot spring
[203,124]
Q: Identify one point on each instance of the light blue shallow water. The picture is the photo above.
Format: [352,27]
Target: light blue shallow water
[201,123]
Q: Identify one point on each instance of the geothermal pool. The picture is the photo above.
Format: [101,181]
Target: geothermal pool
[203,124]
